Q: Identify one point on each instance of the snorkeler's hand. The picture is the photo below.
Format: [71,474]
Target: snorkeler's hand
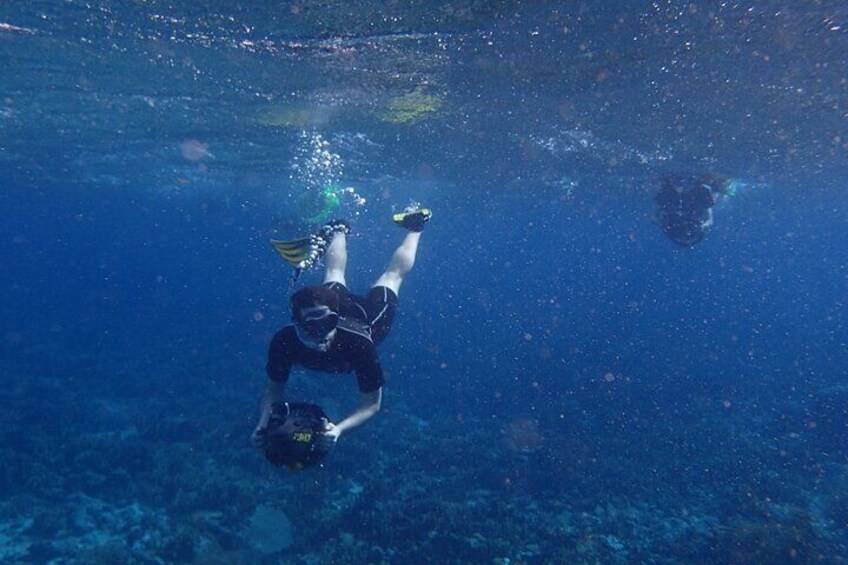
[328,438]
[257,438]
[258,435]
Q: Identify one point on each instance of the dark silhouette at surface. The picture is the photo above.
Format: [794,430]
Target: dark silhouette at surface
[685,206]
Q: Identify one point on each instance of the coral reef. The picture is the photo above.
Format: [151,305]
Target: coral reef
[148,479]
[412,107]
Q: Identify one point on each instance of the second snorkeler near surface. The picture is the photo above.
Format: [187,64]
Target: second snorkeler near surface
[685,205]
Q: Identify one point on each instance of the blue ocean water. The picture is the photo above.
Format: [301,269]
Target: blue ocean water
[564,383]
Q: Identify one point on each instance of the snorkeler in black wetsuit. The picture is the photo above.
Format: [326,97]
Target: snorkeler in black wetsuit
[352,327]
[685,206]
[334,331]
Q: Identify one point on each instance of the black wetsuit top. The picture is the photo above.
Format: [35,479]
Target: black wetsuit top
[351,351]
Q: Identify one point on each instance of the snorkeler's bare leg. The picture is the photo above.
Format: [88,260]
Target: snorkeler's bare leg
[402,262]
[335,259]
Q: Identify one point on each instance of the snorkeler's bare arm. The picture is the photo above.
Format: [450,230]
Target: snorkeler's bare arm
[369,406]
[708,221]
[273,393]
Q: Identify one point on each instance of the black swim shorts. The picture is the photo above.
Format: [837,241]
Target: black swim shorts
[376,309]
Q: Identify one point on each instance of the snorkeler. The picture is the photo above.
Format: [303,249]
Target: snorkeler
[685,206]
[334,331]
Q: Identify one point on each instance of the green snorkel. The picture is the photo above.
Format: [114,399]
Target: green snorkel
[329,200]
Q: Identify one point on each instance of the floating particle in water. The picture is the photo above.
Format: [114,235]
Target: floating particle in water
[194,150]
[523,436]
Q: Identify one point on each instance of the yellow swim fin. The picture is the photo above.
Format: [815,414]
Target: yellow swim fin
[295,251]
[413,219]
[306,252]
